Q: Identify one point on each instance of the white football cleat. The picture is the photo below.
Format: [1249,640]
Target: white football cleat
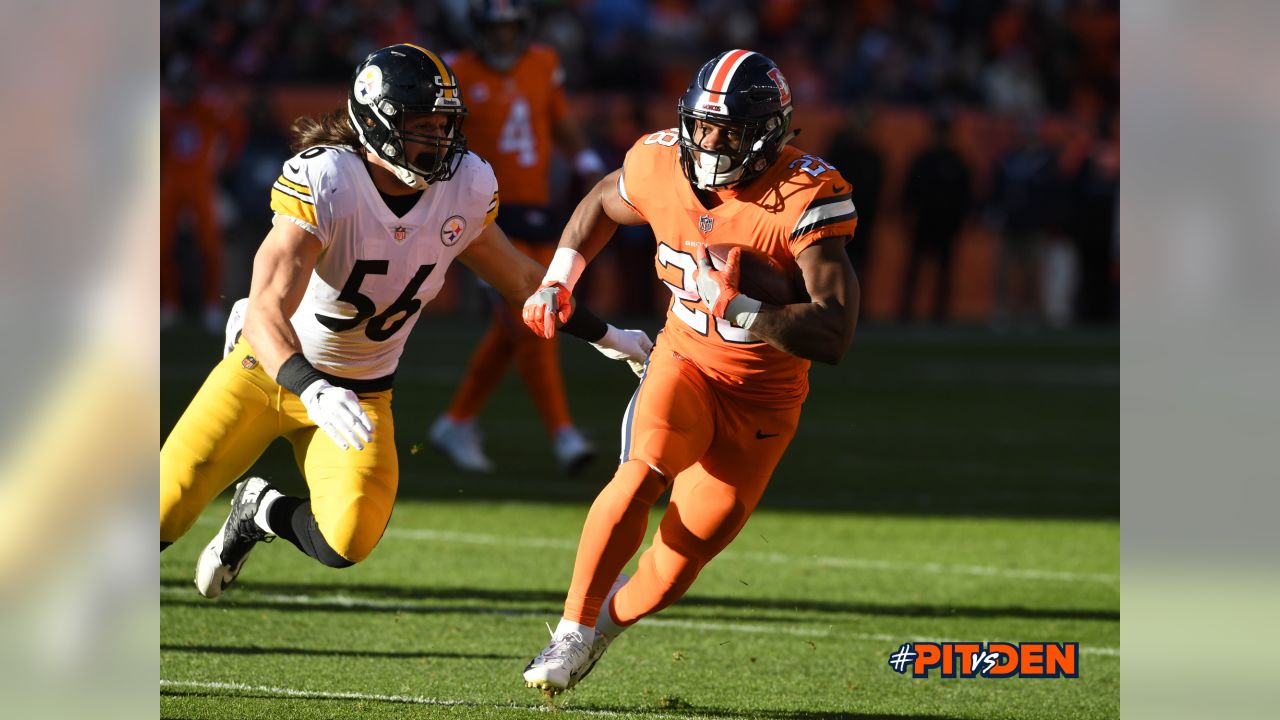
[460,442]
[573,451]
[225,555]
[564,662]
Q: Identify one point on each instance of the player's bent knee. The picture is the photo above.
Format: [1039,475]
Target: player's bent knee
[352,537]
[636,479]
[345,549]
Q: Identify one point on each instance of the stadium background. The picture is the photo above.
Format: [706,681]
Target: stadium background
[949,481]
[999,71]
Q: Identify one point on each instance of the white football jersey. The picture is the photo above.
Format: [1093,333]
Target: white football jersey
[376,271]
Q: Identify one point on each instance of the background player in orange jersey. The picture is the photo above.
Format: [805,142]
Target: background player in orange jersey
[517,112]
[720,397]
[198,134]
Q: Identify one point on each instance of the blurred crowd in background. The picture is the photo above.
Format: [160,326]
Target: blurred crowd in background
[981,137]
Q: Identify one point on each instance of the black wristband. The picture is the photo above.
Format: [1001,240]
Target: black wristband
[584,324]
[296,374]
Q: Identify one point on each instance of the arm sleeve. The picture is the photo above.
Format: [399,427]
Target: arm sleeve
[293,198]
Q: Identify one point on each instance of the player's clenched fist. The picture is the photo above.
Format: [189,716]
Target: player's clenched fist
[548,304]
[337,411]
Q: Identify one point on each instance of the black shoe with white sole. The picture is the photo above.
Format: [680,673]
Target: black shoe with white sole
[227,552]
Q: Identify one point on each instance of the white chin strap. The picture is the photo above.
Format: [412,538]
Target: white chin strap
[713,170]
[410,178]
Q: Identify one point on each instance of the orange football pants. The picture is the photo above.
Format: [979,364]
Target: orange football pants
[537,360]
[721,451]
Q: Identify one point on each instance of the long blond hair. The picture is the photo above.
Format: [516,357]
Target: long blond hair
[331,128]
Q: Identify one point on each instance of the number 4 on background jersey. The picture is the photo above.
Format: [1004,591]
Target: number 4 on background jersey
[517,134]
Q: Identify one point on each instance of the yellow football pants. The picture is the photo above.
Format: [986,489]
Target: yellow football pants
[236,414]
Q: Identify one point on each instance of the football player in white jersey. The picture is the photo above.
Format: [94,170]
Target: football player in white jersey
[380,199]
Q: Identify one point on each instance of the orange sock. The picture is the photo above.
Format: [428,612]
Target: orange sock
[488,364]
[614,529]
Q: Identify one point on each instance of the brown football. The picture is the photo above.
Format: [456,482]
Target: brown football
[763,277]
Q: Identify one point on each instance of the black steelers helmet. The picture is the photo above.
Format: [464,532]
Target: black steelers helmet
[745,92]
[393,83]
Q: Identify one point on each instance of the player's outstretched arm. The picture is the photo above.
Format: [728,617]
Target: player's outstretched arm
[589,229]
[597,217]
[819,330]
[516,277]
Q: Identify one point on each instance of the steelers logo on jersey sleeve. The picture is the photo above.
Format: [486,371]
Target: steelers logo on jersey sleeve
[451,231]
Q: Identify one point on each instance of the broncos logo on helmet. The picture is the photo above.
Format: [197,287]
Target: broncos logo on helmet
[394,83]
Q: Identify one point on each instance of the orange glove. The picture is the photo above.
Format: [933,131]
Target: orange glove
[718,288]
[544,307]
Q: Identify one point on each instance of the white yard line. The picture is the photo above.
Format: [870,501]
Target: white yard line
[471,538]
[286,692]
[545,543]
[699,626]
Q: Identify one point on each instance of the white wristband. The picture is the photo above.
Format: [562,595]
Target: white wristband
[742,311]
[610,338]
[587,162]
[566,267]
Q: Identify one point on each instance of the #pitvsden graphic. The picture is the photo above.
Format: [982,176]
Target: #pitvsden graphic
[988,660]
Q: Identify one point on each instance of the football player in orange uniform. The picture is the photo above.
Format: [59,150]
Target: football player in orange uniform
[199,131]
[517,112]
[720,398]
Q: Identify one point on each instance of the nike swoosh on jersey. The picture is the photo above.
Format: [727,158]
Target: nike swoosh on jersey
[840,189]
[294,169]
[761,435]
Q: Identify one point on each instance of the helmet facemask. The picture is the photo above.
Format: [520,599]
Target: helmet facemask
[386,137]
[709,169]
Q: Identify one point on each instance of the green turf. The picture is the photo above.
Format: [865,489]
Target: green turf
[944,486]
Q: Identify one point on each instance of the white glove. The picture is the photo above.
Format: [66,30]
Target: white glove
[235,325]
[630,345]
[337,412]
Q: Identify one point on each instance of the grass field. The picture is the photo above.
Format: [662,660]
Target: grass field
[944,485]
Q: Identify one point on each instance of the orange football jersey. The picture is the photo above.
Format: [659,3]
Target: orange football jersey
[510,117]
[798,200]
